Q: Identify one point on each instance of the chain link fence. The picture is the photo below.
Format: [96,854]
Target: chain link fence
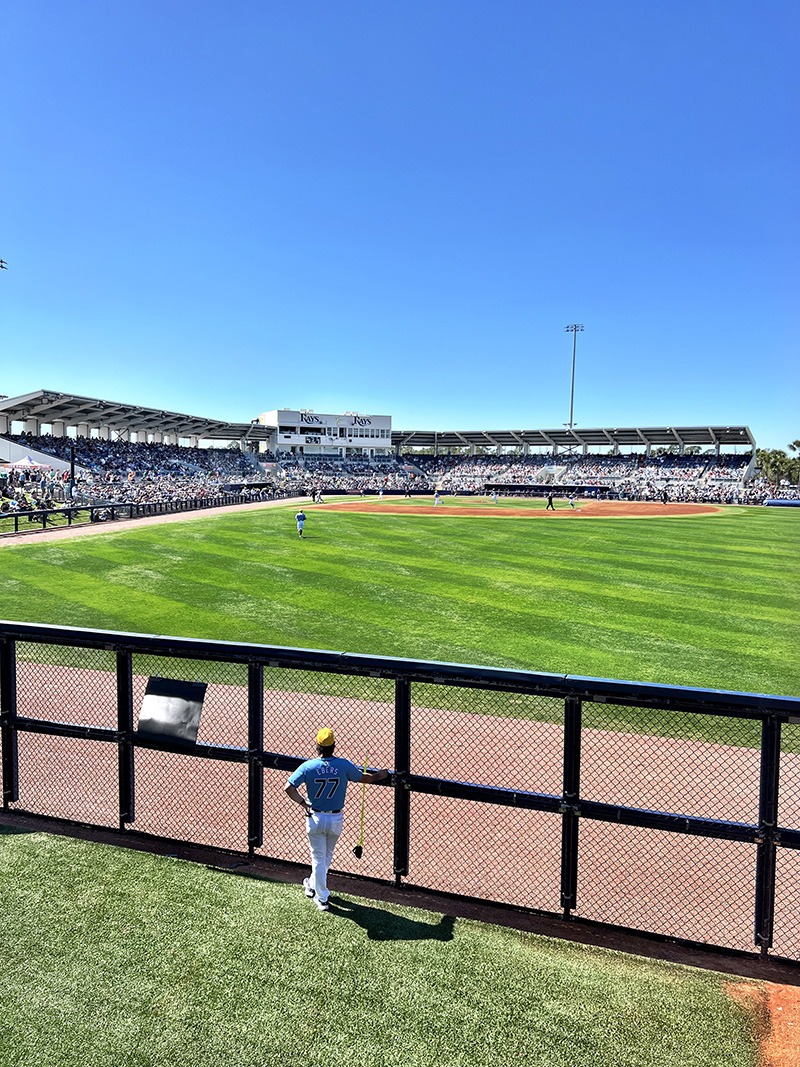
[627,876]
[202,801]
[501,739]
[73,685]
[224,718]
[706,766]
[787,904]
[789,796]
[68,778]
[660,809]
[488,851]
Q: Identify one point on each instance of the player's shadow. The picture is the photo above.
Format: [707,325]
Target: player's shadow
[386,926]
[14,830]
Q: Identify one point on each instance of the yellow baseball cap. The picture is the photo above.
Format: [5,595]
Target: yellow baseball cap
[325,738]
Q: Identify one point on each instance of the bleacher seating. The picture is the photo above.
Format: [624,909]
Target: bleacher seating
[135,472]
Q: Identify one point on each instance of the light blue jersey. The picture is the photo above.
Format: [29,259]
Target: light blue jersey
[326,781]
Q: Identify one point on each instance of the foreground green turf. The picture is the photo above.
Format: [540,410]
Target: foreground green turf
[707,601]
[117,958]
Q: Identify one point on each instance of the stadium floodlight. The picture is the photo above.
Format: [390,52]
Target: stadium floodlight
[574,329]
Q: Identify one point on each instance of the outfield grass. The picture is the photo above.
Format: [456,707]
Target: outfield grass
[707,601]
[117,958]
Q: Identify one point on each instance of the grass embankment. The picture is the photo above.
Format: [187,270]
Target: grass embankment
[10,524]
[116,958]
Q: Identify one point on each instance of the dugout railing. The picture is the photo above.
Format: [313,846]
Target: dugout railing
[663,809]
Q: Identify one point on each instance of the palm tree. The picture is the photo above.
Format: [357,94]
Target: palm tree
[795,447]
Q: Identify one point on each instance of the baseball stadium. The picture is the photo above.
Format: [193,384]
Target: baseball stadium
[573,651]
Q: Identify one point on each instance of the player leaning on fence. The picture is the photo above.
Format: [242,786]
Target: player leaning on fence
[325,779]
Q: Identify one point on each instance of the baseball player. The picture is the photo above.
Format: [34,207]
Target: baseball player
[325,780]
[300,518]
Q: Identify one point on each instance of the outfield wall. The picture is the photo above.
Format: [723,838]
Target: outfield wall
[669,810]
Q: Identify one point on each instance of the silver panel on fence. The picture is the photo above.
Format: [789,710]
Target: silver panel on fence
[172,708]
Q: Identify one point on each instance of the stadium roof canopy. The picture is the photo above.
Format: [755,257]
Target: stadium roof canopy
[633,437]
[49,407]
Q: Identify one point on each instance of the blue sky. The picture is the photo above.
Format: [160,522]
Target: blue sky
[396,208]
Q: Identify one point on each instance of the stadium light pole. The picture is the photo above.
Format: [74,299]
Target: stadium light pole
[574,329]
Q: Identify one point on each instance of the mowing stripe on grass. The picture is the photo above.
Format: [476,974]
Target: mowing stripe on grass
[713,602]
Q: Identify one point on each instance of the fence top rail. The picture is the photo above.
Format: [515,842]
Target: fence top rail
[686,698]
[636,693]
[100,504]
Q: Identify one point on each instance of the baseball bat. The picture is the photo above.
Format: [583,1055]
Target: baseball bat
[358,851]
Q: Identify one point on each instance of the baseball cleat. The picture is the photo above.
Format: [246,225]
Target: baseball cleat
[322,905]
[309,892]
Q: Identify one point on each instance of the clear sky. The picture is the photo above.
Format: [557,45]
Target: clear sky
[395,207]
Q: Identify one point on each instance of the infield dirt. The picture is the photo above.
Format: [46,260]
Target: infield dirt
[594,509]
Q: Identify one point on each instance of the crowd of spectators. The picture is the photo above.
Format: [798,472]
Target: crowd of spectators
[471,473]
[127,472]
[310,475]
[709,493]
[26,490]
[40,490]
[139,473]
[635,471]
[144,459]
[728,469]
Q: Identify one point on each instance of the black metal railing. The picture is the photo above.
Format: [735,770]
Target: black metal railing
[31,521]
[664,809]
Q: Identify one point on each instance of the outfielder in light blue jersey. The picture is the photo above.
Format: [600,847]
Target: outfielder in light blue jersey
[325,780]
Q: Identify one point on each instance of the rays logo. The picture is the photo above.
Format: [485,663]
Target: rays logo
[361,422]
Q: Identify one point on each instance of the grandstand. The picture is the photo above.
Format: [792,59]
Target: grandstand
[108,450]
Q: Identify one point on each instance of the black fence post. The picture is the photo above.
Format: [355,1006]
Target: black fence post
[127,811]
[402,767]
[8,713]
[255,745]
[767,823]
[569,806]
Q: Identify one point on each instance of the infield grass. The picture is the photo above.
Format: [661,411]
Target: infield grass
[122,959]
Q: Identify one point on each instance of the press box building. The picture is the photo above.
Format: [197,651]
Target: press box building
[314,434]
